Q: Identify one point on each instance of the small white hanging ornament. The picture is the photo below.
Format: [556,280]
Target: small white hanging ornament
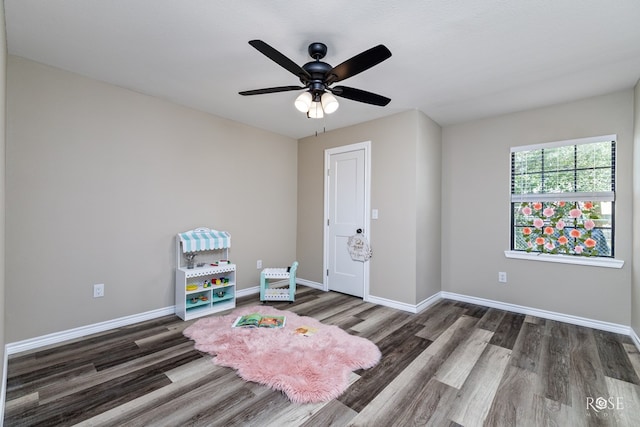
[359,248]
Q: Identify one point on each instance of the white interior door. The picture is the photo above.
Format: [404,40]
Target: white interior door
[346,212]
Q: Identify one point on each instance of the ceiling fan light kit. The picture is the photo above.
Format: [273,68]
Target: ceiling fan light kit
[317,77]
[315,111]
[303,102]
[329,103]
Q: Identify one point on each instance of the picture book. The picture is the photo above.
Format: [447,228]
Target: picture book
[257,320]
[306,331]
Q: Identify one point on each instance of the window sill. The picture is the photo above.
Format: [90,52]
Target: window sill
[566,259]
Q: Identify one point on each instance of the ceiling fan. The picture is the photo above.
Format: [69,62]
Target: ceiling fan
[317,78]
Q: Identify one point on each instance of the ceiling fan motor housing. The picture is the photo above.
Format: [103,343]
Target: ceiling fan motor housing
[318,70]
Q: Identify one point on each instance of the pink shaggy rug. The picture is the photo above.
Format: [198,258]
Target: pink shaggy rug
[312,368]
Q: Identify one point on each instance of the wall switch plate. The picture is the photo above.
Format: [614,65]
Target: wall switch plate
[98,290]
[259,264]
[502,277]
[374,214]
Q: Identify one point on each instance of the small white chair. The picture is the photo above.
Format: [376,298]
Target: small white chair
[278,293]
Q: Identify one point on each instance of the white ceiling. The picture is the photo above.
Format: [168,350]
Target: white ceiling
[455,60]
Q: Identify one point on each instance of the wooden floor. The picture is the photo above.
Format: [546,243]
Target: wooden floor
[455,364]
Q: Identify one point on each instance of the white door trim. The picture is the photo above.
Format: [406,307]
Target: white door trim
[366,146]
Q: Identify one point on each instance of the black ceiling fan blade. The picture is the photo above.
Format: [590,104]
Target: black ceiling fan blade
[360,95]
[280,59]
[359,63]
[271,90]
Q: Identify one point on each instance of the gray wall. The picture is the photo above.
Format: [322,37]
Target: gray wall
[635,291]
[399,144]
[475,210]
[428,199]
[100,179]
[3,83]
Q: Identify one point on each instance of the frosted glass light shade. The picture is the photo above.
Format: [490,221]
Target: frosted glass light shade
[315,111]
[303,102]
[329,103]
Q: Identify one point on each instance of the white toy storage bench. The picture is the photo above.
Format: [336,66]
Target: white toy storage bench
[288,293]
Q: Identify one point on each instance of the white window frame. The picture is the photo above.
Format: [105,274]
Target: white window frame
[601,196]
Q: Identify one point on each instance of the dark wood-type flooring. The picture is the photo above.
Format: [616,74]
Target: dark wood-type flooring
[455,364]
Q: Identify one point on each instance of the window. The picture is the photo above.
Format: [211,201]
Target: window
[563,197]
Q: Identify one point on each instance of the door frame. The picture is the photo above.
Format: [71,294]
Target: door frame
[366,146]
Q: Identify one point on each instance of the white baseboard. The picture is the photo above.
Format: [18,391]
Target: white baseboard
[428,302]
[411,308]
[310,284]
[246,292]
[634,338]
[58,337]
[545,314]
[567,318]
[391,303]
[256,289]
[3,390]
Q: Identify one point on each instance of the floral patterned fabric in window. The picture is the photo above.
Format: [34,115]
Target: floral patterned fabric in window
[572,228]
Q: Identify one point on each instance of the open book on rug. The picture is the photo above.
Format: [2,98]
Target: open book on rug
[306,331]
[257,320]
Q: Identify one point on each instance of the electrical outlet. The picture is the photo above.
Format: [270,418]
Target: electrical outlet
[259,264]
[98,290]
[502,277]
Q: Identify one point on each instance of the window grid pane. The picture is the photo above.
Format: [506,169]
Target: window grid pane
[551,170]
[561,221]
